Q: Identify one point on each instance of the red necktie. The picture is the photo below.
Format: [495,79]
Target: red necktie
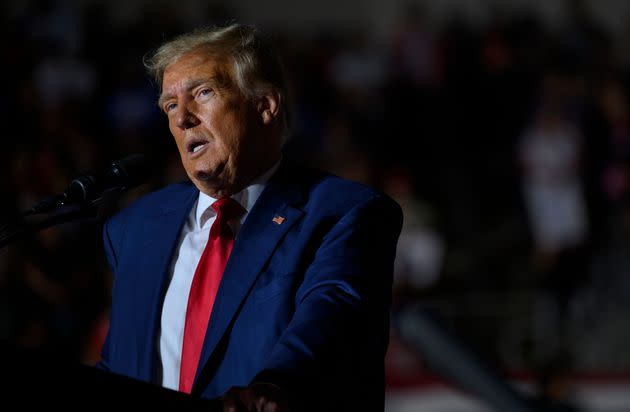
[204,288]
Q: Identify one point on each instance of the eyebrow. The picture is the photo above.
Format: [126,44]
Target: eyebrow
[188,85]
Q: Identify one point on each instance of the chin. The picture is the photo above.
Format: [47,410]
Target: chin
[204,187]
[210,185]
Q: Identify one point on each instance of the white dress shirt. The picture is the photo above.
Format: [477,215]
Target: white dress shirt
[190,246]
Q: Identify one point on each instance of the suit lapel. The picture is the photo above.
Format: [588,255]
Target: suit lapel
[162,231]
[270,218]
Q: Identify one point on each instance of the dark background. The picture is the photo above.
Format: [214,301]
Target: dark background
[502,128]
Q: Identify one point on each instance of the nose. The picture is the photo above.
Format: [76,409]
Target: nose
[186,118]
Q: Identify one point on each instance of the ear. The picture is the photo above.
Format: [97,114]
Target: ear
[268,106]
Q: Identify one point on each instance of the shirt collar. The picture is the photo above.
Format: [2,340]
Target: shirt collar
[246,198]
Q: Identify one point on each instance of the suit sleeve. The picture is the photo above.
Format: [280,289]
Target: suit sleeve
[111,228]
[342,305]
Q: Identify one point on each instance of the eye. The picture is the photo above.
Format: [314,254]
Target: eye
[169,106]
[205,92]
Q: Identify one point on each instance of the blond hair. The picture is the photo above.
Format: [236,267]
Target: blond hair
[256,68]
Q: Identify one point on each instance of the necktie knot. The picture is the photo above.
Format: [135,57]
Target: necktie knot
[227,209]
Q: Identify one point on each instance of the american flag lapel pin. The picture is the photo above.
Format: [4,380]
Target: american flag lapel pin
[278,220]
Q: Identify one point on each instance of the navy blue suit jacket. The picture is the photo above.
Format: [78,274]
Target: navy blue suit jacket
[304,304]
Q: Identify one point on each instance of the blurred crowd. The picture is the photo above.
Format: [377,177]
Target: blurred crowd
[508,146]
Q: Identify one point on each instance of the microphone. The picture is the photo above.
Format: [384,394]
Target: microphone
[81,196]
[121,175]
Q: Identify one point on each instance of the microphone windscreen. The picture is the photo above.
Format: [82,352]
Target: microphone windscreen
[129,172]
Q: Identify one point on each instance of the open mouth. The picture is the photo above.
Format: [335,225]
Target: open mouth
[196,145]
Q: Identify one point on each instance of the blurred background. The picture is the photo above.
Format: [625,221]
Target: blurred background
[501,127]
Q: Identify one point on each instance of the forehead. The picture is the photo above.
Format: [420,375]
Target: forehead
[193,67]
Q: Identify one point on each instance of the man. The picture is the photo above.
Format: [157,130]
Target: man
[276,296]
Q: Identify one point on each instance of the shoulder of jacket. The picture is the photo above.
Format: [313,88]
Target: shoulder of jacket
[157,201]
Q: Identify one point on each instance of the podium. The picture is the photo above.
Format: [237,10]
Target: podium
[33,379]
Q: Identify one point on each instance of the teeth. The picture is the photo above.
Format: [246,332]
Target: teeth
[197,148]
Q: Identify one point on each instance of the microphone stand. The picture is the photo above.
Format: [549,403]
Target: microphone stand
[56,211]
[82,198]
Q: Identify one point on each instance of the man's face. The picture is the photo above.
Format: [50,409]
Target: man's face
[218,131]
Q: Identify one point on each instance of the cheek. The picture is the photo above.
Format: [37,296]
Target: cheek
[178,137]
